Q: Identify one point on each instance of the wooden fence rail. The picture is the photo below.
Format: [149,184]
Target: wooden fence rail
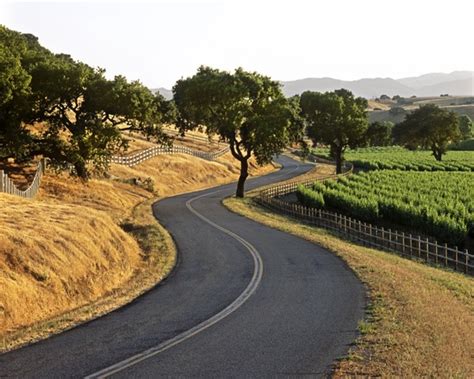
[407,245]
[134,159]
[7,185]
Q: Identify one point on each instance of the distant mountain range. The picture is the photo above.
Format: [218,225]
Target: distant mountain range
[457,83]
[167,93]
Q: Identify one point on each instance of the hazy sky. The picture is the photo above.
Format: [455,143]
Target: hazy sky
[160,41]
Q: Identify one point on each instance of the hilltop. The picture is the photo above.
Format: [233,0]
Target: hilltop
[457,83]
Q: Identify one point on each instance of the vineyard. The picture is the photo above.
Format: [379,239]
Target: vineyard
[438,204]
[398,158]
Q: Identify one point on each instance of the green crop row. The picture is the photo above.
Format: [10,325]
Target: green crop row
[397,158]
[439,204]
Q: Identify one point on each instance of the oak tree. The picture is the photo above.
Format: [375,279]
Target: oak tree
[338,119]
[466,127]
[14,95]
[245,109]
[85,113]
[429,127]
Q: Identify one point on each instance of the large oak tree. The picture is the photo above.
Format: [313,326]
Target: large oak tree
[429,127]
[245,109]
[14,94]
[86,113]
[82,114]
[337,119]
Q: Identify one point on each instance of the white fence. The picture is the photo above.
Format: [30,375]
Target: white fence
[7,185]
[134,159]
[407,245]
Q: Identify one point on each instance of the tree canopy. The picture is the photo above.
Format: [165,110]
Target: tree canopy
[245,109]
[466,127]
[338,119]
[429,127]
[14,93]
[82,114]
[379,133]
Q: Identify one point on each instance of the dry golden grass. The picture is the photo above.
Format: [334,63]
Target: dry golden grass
[136,144]
[156,258]
[65,257]
[114,197]
[375,104]
[56,257]
[179,173]
[420,318]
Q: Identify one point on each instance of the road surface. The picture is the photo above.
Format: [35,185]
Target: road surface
[245,300]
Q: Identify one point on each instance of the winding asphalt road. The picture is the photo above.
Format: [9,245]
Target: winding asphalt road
[244,301]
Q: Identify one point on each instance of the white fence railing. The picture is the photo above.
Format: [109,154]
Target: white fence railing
[134,159]
[407,245]
[7,185]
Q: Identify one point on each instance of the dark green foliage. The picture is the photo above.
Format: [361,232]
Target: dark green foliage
[429,127]
[380,133]
[82,112]
[436,204]
[309,198]
[14,95]
[466,127]
[246,109]
[398,158]
[337,119]
[467,145]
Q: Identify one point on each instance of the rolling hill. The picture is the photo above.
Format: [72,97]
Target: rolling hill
[456,83]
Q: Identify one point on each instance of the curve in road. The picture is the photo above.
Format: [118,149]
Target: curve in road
[302,314]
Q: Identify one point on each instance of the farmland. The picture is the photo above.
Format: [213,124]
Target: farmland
[439,204]
[398,158]
[462,105]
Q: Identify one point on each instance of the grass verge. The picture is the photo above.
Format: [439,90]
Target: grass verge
[68,256]
[158,256]
[419,319]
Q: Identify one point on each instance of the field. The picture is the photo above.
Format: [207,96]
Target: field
[398,158]
[438,204]
[458,104]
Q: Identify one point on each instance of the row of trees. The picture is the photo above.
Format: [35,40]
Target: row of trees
[81,114]
[339,119]
[67,111]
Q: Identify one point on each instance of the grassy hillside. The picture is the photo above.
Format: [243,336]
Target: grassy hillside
[53,258]
[68,247]
[458,104]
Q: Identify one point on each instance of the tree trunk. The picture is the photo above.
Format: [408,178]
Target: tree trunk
[338,157]
[244,173]
[81,170]
[438,155]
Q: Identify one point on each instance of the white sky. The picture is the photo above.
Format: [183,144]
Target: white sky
[160,41]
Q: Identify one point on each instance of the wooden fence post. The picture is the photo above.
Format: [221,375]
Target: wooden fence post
[466,261]
[370,234]
[446,255]
[2,181]
[419,246]
[457,257]
[427,250]
[403,243]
